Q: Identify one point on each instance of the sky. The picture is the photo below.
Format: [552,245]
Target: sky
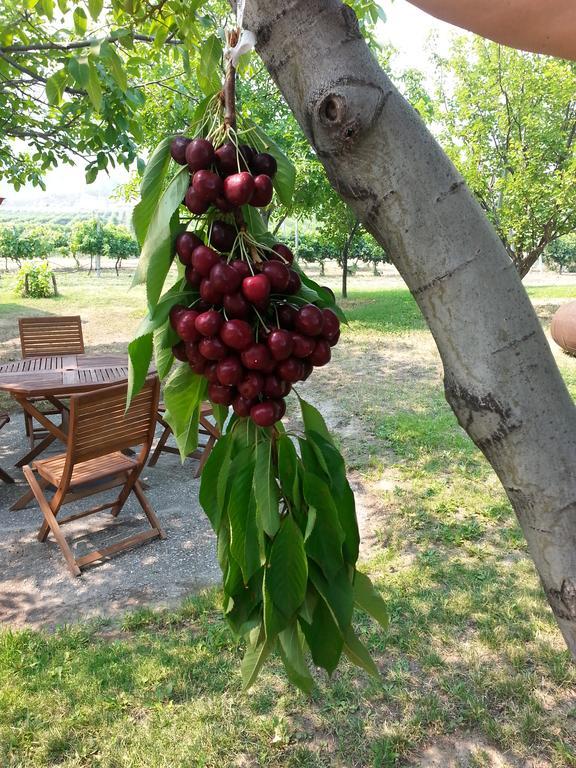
[406,27]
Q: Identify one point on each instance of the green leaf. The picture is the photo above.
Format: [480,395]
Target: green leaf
[287,569]
[208,70]
[266,488]
[221,413]
[324,543]
[151,190]
[156,255]
[257,652]
[215,473]
[91,174]
[369,599]
[115,65]
[140,355]
[164,339]
[358,654]
[313,420]
[183,394]
[95,7]
[80,21]
[55,89]
[291,651]
[288,469]
[323,638]
[94,88]
[244,543]
[79,69]
[337,593]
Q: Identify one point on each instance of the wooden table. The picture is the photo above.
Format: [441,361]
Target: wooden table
[52,378]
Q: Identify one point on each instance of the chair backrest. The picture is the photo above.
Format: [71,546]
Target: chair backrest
[100,423]
[41,336]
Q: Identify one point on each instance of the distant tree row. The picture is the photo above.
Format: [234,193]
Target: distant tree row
[88,237]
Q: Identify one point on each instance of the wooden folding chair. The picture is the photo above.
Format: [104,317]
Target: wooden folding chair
[4,419]
[48,337]
[100,429]
[206,429]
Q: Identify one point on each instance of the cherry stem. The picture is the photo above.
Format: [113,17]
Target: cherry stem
[229,91]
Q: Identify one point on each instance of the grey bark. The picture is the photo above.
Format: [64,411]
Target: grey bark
[500,376]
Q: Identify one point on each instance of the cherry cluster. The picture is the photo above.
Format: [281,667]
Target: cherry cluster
[227,177]
[248,333]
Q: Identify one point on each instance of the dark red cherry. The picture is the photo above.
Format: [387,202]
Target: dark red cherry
[209,293]
[193,278]
[178,149]
[179,351]
[263,191]
[264,163]
[286,315]
[199,154]
[199,367]
[241,267]
[280,343]
[334,339]
[203,259]
[247,155]
[242,406]
[223,205]
[294,284]
[280,406]
[185,244]
[225,278]
[283,252]
[256,288]
[207,184]
[308,368]
[226,159]
[278,274]
[309,320]
[290,370]
[220,394]
[175,312]
[321,354]
[209,323]
[257,358]
[193,354]
[185,325]
[230,371]
[237,334]
[236,306]
[213,349]
[195,202]
[251,385]
[331,327]
[211,372]
[222,236]
[264,414]
[302,345]
[238,188]
[275,387]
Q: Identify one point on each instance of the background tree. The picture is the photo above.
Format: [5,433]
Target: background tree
[87,238]
[561,254]
[508,121]
[119,243]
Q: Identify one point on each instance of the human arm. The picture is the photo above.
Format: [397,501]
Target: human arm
[533,25]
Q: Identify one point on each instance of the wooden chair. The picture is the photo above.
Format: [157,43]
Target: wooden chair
[206,429]
[100,429]
[48,336]
[4,419]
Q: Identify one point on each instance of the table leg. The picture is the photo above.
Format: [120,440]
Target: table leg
[41,446]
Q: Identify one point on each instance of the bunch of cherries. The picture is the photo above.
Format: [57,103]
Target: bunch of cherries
[248,333]
[227,177]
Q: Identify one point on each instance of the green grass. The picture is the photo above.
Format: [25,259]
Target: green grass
[472,651]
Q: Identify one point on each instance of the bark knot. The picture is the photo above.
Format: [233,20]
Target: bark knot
[563,600]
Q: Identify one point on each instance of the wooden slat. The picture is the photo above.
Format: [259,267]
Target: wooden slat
[132,541]
[51,336]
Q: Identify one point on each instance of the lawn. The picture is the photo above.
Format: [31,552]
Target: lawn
[473,666]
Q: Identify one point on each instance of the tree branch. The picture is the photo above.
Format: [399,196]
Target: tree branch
[38,47]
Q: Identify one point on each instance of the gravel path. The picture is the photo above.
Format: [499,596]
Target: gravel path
[36,588]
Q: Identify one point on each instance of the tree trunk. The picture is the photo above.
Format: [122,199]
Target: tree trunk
[345,251]
[500,377]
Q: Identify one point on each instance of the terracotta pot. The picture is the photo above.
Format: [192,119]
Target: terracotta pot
[563,327]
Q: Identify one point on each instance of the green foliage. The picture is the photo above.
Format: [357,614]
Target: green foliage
[561,254]
[87,237]
[119,243]
[508,121]
[35,280]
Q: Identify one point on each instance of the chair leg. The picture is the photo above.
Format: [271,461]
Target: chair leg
[5,476]
[148,511]
[50,521]
[205,454]
[158,450]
